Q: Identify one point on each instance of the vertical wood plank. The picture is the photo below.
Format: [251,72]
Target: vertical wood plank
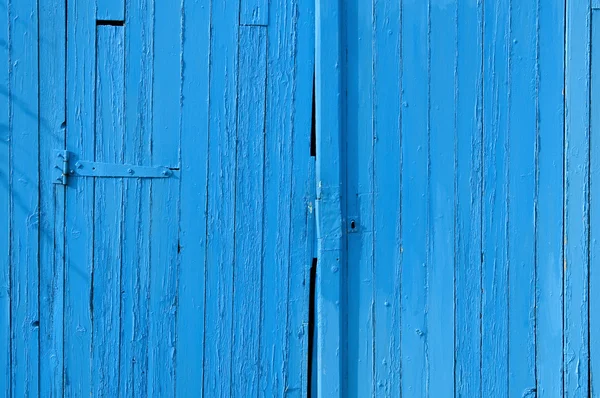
[254,12]
[358,149]
[415,197]
[330,201]
[496,96]
[221,197]
[81,82]
[522,106]
[52,97]
[386,202]
[302,223]
[549,247]
[194,178]
[108,212]
[469,134]
[576,206]
[594,292]
[5,325]
[135,277]
[249,201]
[24,196]
[164,234]
[442,164]
[110,10]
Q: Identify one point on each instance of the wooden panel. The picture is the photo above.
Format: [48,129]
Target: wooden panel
[221,199]
[386,202]
[441,219]
[164,232]
[108,212]
[194,178]
[594,288]
[469,180]
[24,199]
[254,12]
[329,175]
[358,149]
[576,210]
[135,273]
[414,197]
[5,326]
[494,346]
[81,83]
[111,10]
[52,126]
[549,272]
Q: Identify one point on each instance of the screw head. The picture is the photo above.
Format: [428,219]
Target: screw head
[130,171]
[78,165]
[166,173]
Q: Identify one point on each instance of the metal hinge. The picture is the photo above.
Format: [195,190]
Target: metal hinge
[64,168]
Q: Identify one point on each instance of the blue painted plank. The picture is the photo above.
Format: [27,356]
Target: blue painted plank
[249,200]
[254,12]
[135,276]
[358,150]
[523,115]
[5,326]
[81,83]
[496,96]
[328,89]
[469,134]
[287,190]
[221,199]
[194,178]
[302,222]
[110,10]
[442,169]
[52,98]
[164,232]
[576,210]
[594,287]
[135,271]
[414,198]
[549,272]
[386,201]
[108,212]
[24,196]
[595,4]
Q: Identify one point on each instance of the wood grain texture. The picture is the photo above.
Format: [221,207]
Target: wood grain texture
[52,124]
[576,200]
[550,188]
[594,292]
[254,12]
[110,10]
[5,214]
[24,196]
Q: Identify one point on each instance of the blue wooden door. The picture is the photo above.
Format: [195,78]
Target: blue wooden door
[157,186]
[456,191]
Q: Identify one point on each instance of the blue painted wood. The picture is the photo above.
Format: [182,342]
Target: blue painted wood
[442,170]
[108,212]
[330,202]
[164,212]
[5,214]
[576,200]
[495,269]
[386,201]
[110,10]
[522,180]
[135,271]
[254,12]
[549,226]
[594,290]
[415,201]
[249,216]
[79,207]
[218,320]
[468,199]
[194,177]
[52,97]
[358,150]
[24,196]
